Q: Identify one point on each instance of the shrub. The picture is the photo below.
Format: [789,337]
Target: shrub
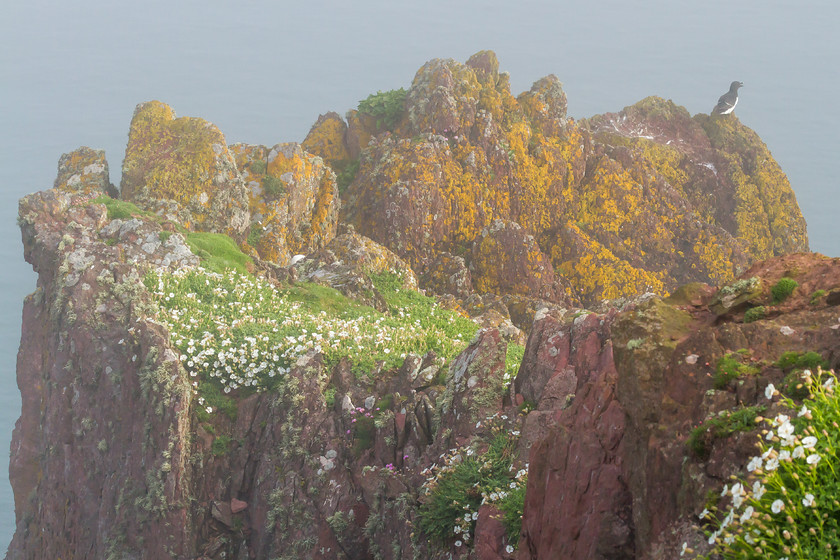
[273,186]
[783,289]
[754,314]
[387,107]
[816,296]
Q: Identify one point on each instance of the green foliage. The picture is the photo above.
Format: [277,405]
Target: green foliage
[468,478]
[221,445]
[329,396]
[800,360]
[783,289]
[218,252]
[387,107]
[755,314]
[816,296]
[345,173]
[731,367]
[513,359]
[273,186]
[258,166]
[164,235]
[788,505]
[120,209]
[721,426]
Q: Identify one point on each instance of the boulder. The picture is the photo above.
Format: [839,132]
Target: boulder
[182,168]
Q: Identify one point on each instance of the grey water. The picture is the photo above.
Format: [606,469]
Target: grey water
[71,74]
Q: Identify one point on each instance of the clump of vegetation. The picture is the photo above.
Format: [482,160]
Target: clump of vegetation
[796,363]
[239,333]
[816,296]
[273,186]
[387,107]
[345,173]
[755,314]
[218,252]
[469,477]
[721,426]
[731,367]
[221,445]
[513,359]
[782,289]
[258,166]
[788,505]
[121,209]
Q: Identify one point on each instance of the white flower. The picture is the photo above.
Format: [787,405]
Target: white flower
[769,391]
[725,490]
[798,452]
[458,543]
[809,442]
[786,330]
[808,500]
[748,512]
[754,463]
[784,455]
[786,430]
[813,459]
[737,500]
[829,383]
[803,411]
[713,537]
[777,506]
[772,464]
[682,550]
[758,490]
[703,513]
[209,409]
[509,549]
[769,435]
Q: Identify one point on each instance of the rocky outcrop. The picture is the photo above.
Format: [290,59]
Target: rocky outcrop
[293,200]
[513,209]
[181,168]
[620,204]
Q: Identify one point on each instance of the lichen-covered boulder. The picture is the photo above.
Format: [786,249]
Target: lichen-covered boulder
[181,167]
[293,200]
[505,259]
[84,171]
[326,138]
[642,200]
[448,274]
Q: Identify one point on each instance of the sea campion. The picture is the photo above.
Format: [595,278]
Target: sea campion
[788,506]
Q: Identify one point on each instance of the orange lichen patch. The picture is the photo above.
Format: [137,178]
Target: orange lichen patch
[185,161]
[326,138]
[506,260]
[293,200]
[597,273]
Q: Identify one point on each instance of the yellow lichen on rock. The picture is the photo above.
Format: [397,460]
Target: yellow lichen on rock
[182,166]
[293,200]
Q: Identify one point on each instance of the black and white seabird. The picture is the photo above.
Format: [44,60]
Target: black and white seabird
[726,103]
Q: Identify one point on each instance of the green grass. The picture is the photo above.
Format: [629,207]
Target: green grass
[238,333]
[218,252]
[122,210]
[221,445]
[513,359]
[816,296]
[782,289]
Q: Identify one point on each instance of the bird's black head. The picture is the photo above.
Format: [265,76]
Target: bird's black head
[735,85]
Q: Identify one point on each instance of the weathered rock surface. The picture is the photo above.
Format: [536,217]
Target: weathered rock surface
[293,200]
[85,170]
[620,204]
[181,168]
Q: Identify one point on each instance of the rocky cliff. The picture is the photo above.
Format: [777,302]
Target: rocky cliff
[233,358]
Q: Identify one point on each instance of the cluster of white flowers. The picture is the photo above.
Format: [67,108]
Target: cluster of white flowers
[242,332]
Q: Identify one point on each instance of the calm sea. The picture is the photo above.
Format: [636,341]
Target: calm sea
[72,72]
